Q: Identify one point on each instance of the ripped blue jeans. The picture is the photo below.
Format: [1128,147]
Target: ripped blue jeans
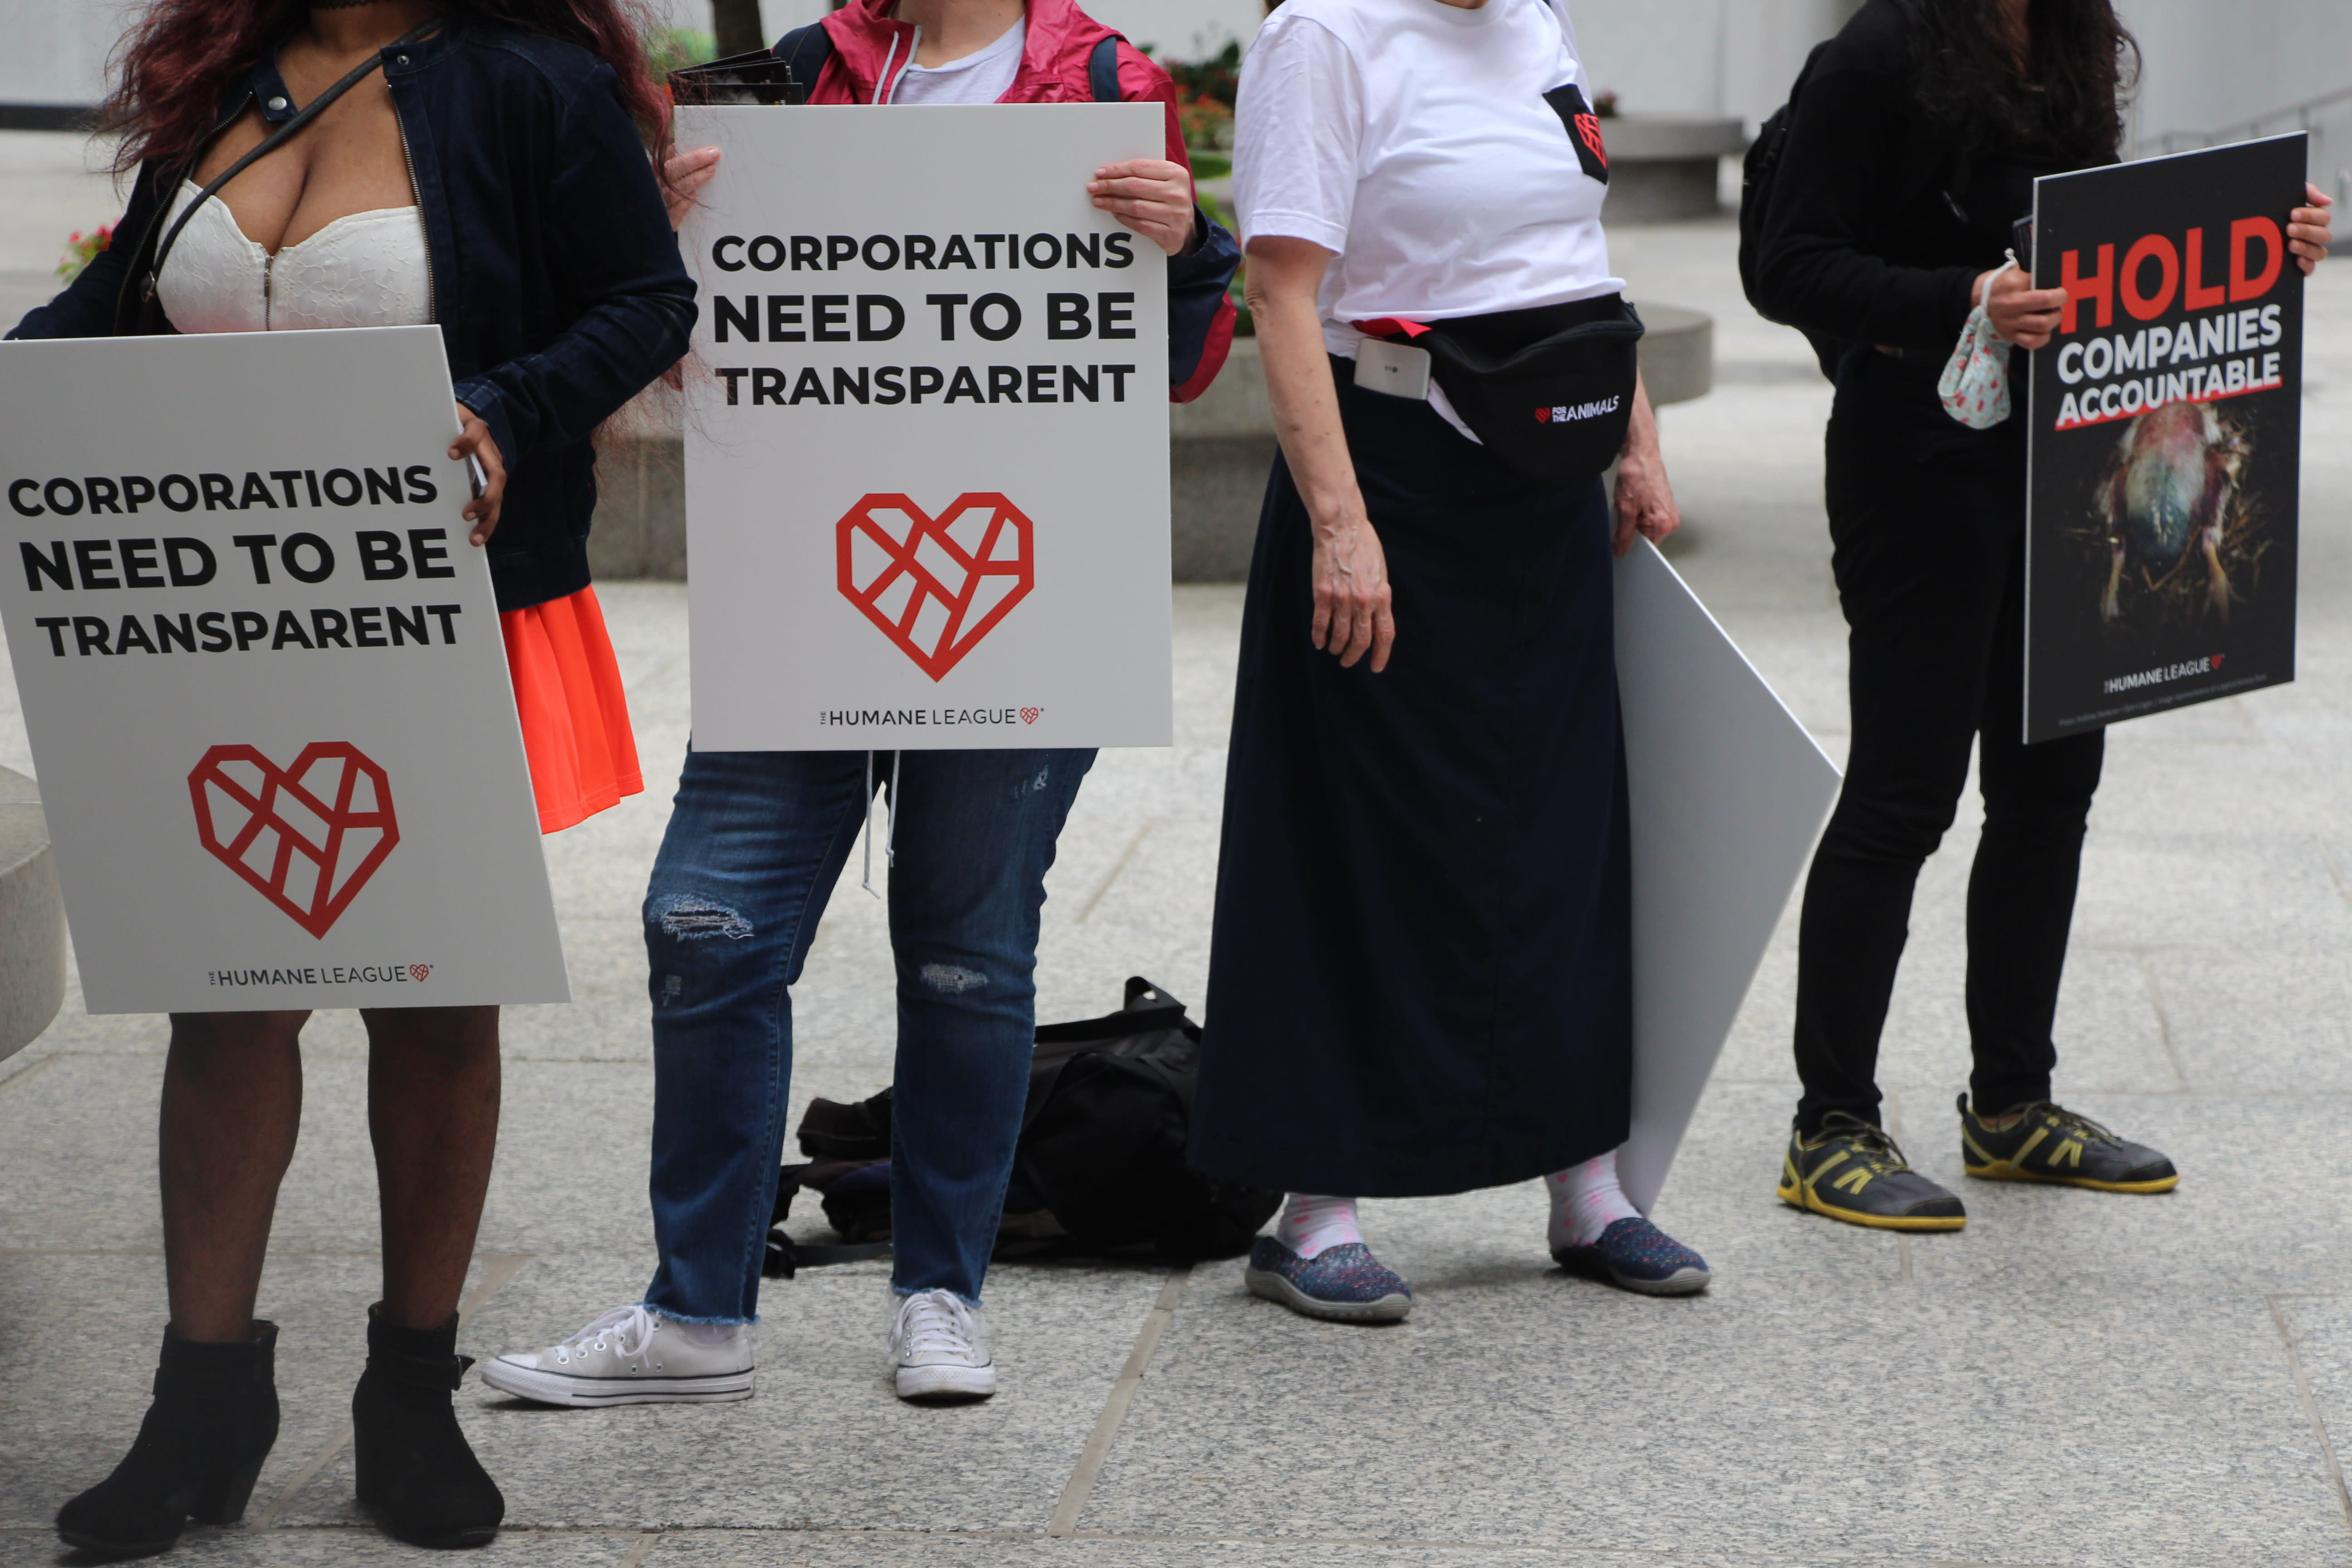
[755,843]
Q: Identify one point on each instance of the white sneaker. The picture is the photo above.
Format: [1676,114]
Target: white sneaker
[941,1347]
[632,1355]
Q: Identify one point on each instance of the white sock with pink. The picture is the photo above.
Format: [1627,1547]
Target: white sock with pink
[1311,1222]
[1585,1201]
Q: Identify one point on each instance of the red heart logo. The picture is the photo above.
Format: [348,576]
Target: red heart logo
[935,585]
[1029,715]
[308,837]
[2217,661]
[417,972]
[1588,126]
[1543,416]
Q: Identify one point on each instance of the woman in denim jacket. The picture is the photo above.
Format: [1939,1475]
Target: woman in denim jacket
[494,177]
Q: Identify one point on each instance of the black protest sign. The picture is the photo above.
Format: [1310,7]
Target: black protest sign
[2161,536]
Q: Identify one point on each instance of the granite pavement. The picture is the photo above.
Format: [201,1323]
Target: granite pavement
[2075,1380]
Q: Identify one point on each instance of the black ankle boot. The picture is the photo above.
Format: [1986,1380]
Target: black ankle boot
[416,1474]
[212,1424]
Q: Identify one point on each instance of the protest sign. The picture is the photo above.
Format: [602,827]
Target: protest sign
[927,440]
[1728,792]
[2165,433]
[262,676]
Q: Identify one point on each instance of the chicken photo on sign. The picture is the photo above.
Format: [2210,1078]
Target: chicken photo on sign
[2165,428]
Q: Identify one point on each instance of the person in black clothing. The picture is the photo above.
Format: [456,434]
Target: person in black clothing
[1911,150]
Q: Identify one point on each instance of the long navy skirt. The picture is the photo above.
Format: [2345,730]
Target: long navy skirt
[1420,975]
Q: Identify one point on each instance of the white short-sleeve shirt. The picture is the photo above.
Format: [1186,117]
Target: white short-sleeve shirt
[1413,138]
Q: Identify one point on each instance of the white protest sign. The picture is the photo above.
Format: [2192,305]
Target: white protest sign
[1727,795]
[927,445]
[262,676]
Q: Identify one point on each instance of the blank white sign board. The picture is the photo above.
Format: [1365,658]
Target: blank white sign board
[1727,795]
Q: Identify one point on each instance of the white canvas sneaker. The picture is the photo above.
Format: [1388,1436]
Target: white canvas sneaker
[632,1355]
[941,1349]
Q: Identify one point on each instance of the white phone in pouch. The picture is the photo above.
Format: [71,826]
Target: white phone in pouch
[1397,369]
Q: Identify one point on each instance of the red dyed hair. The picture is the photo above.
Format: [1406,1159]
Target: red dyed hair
[175,64]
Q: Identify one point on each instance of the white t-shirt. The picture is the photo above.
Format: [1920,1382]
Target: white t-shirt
[981,77]
[1413,138]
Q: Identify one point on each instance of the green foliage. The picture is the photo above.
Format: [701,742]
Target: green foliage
[81,250]
[675,48]
[1206,123]
[1216,79]
[1243,327]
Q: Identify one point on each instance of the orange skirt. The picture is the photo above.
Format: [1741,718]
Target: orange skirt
[575,717]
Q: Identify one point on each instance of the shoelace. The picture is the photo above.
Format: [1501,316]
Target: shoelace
[1875,1147]
[933,1320]
[622,1326]
[2068,1121]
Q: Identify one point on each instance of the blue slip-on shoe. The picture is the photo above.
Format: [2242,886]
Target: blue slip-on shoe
[1345,1284]
[1634,1255]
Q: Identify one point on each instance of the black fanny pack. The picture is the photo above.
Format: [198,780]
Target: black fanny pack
[1550,390]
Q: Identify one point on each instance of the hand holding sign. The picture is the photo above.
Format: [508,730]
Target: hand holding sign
[2307,229]
[2021,313]
[1150,195]
[475,443]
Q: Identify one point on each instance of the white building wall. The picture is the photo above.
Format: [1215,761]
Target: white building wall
[2210,63]
[54,51]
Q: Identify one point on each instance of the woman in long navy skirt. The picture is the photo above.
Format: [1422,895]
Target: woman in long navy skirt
[1421,978]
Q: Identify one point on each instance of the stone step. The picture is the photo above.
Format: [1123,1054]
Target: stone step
[1220,447]
[32,916]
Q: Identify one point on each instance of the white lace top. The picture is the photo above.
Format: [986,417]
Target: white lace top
[369,270]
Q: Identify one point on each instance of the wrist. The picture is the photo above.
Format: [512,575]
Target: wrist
[1334,520]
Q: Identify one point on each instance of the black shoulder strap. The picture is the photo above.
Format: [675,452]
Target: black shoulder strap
[270,144]
[804,51]
[1102,70]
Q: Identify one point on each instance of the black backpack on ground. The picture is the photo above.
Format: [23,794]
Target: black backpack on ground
[1099,1166]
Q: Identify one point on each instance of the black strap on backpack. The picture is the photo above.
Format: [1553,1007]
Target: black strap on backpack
[804,51]
[1759,174]
[270,144]
[1102,70]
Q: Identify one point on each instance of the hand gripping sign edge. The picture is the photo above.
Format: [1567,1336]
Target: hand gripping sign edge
[906,576]
[329,898]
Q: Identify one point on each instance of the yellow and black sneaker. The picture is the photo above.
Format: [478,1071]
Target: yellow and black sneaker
[1854,1171]
[2050,1143]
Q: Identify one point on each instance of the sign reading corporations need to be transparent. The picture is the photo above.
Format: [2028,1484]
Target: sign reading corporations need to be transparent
[927,445]
[263,679]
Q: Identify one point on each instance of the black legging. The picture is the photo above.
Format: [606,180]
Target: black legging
[1928,520]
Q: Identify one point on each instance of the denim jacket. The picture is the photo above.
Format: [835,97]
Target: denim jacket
[554,275]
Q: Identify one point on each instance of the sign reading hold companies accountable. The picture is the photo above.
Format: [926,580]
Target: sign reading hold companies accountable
[927,439]
[2165,427]
[263,679]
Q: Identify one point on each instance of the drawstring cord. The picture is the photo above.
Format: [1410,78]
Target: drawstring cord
[889,821]
[883,83]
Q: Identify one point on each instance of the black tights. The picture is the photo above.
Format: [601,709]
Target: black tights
[1928,526]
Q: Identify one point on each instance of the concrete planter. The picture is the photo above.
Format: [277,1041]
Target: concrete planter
[1662,168]
[1220,447]
[32,916]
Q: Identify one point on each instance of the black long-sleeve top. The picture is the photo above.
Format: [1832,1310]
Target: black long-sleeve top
[1880,221]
